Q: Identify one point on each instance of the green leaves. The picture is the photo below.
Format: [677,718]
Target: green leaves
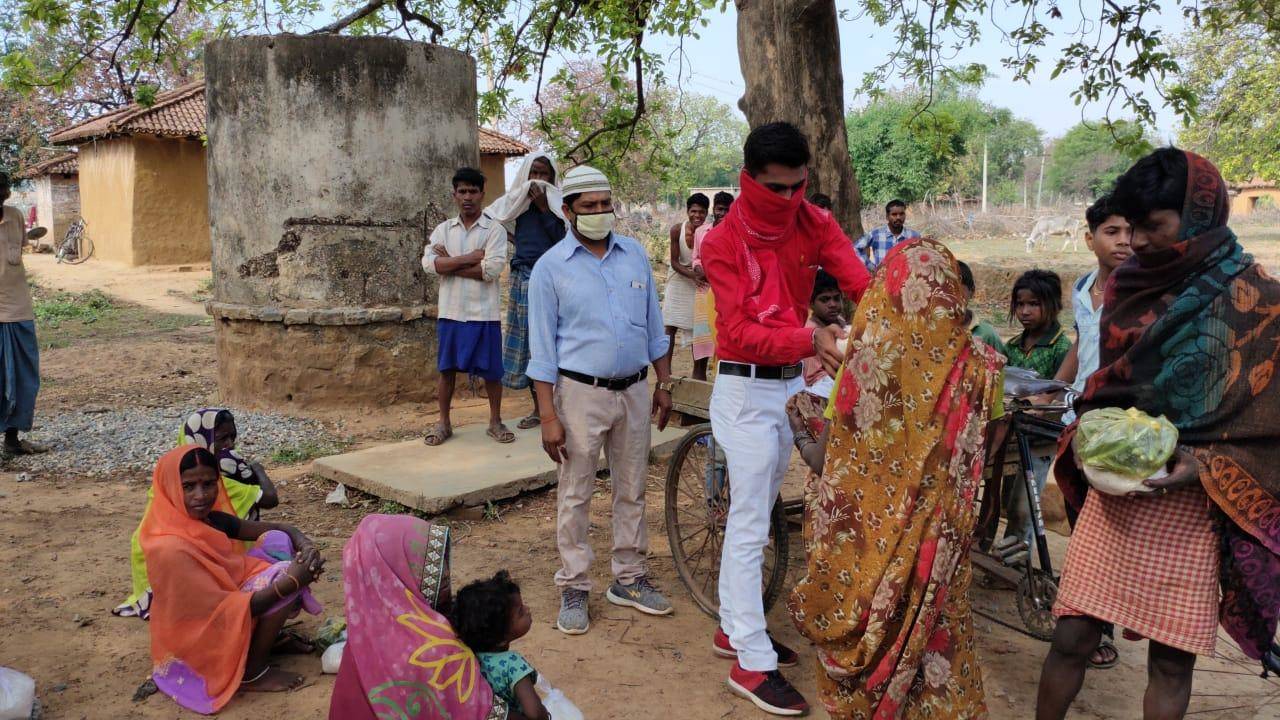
[1085,162]
[907,146]
[682,140]
[1232,84]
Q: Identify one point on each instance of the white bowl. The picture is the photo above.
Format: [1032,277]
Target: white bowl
[1112,483]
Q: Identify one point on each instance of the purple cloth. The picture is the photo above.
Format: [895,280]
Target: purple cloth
[183,684]
[474,348]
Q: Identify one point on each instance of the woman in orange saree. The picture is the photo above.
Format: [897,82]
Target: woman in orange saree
[889,521]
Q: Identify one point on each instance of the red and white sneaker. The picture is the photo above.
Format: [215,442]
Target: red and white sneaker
[768,691]
[721,646]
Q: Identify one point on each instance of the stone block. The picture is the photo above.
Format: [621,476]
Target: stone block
[264,365]
[299,316]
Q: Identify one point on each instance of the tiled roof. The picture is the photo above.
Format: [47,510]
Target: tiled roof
[176,113]
[64,164]
[179,113]
[1255,184]
[493,142]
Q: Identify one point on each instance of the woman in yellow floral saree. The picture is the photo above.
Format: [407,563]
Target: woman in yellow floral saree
[889,521]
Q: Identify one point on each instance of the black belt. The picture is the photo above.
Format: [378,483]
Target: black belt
[606,383]
[762,372]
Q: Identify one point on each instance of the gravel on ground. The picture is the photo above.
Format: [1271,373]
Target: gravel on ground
[99,442]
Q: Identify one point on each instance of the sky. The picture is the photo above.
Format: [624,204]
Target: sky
[712,68]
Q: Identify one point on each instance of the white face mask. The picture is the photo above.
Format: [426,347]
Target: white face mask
[595,226]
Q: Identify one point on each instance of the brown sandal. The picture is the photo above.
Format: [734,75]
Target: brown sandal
[529,422]
[438,434]
[501,434]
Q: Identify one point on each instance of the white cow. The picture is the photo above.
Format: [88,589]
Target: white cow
[1057,225]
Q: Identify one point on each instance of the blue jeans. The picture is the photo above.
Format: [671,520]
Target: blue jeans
[1017,513]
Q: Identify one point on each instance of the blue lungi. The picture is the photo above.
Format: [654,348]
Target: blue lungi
[19,374]
[474,348]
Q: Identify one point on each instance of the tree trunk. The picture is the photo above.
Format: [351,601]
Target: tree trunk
[789,51]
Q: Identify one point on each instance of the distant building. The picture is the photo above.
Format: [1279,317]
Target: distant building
[143,190]
[710,192]
[1247,196]
[143,187]
[495,148]
[57,194]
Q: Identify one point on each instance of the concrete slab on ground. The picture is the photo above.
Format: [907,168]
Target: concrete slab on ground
[469,469]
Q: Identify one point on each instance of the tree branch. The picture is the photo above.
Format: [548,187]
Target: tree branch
[407,14]
[355,16]
[628,124]
[155,36]
[542,64]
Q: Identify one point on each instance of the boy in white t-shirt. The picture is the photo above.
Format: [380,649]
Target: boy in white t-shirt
[1108,238]
[825,308]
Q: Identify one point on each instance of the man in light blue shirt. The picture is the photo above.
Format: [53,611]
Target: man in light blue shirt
[595,326]
[875,245]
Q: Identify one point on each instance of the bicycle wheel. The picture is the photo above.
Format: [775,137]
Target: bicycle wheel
[84,250]
[697,508]
[1036,594]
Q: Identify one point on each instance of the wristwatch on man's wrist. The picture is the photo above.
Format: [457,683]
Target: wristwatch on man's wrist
[667,386]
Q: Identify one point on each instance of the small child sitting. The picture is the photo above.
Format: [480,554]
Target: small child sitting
[488,616]
[826,307]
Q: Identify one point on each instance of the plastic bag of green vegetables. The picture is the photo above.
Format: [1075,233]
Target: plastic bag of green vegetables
[1121,448]
[333,631]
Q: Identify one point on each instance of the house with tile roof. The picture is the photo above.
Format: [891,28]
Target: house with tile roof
[143,184]
[57,194]
[1247,197]
[495,150]
[143,191]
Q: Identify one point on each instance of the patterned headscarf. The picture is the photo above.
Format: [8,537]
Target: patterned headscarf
[1194,338]
[889,522]
[403,659]
[198,430]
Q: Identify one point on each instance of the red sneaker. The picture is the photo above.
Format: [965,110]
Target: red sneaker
[721,646]
[769,691]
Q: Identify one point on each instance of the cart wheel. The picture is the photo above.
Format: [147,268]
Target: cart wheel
[697,507]
[1036,594]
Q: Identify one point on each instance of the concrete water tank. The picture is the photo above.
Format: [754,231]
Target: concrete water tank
[329,165]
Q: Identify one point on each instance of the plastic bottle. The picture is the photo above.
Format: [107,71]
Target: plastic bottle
[560,707]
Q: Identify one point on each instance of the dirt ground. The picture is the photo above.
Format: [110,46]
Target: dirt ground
[64,547]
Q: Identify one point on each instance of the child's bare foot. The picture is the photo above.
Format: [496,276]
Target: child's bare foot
[272,679]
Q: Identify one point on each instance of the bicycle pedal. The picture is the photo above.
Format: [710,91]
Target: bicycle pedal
[1017,559]
[1009,552]
[1005,542]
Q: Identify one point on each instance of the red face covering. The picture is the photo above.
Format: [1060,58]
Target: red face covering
[764,222]
[764,218]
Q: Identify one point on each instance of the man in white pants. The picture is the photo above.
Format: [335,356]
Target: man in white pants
[761,262]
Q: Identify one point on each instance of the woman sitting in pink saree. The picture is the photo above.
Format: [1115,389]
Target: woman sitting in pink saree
[403,659]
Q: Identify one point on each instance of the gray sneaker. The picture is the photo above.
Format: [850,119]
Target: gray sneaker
[573,619]
[641,595]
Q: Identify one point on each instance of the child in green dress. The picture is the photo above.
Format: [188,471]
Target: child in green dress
[488,616]
[1042,345]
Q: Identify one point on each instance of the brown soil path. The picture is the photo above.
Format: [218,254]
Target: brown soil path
[166,289]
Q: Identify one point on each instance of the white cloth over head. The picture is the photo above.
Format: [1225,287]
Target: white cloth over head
[516,200]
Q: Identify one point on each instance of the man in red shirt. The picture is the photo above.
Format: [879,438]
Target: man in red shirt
[761,262]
